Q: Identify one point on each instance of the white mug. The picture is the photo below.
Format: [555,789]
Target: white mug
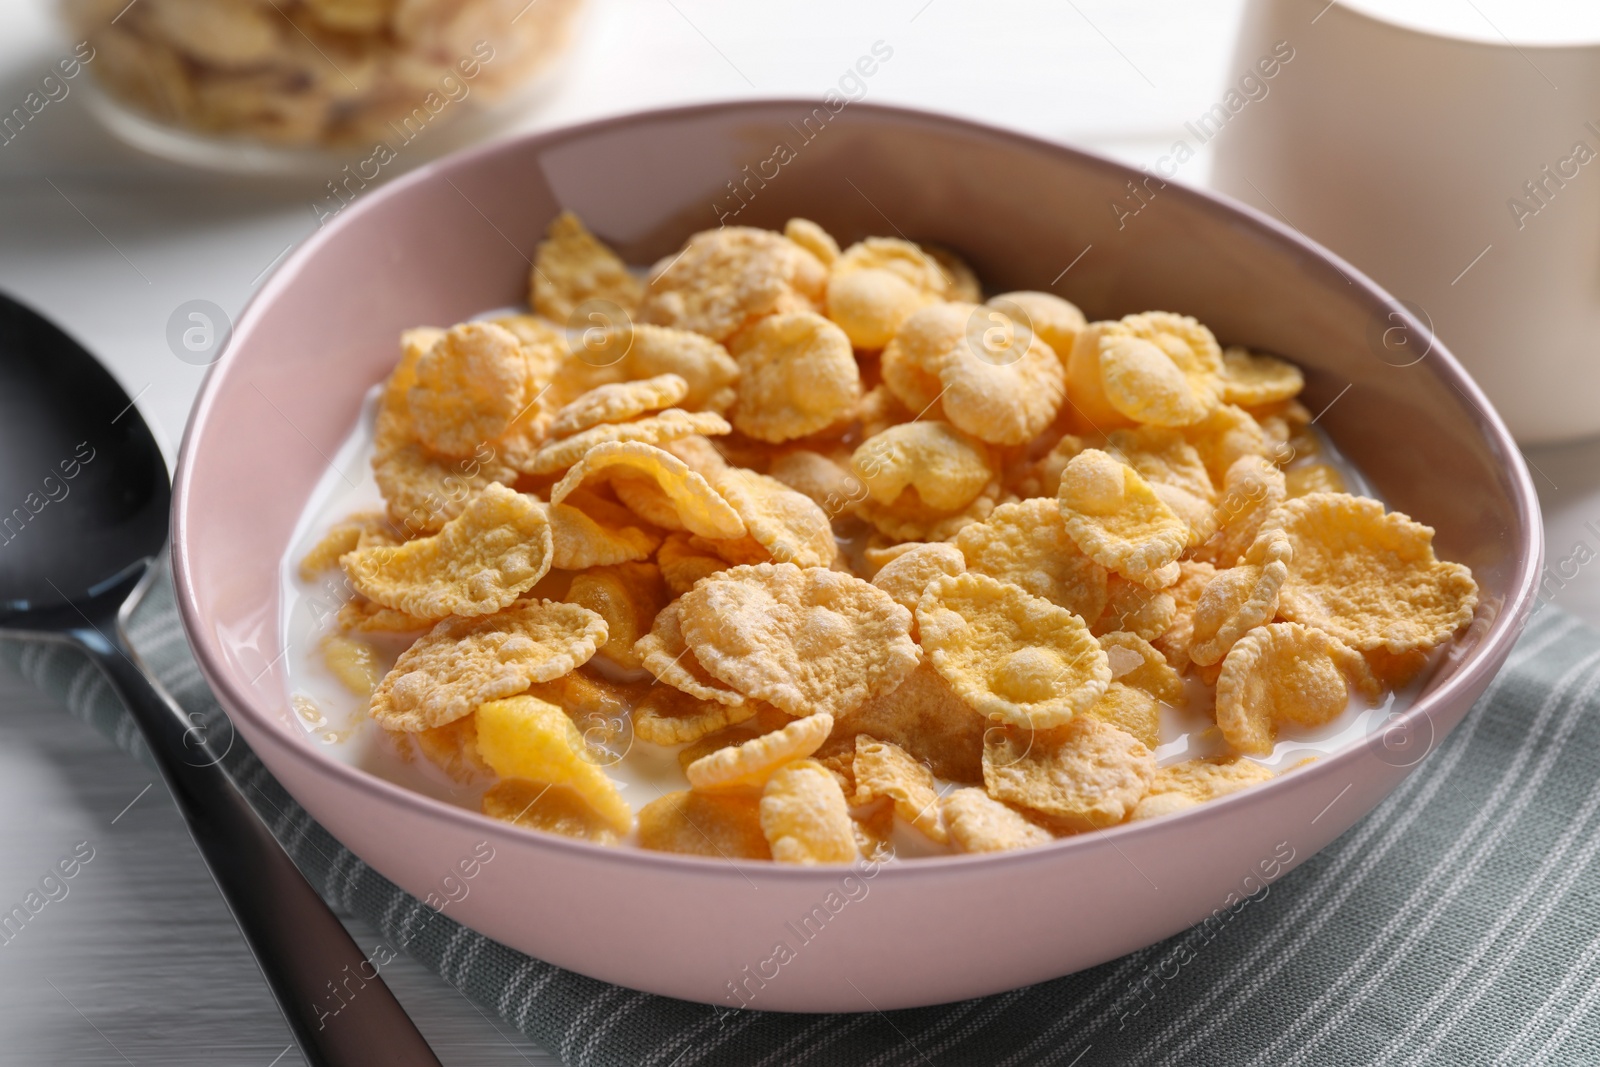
[1451,150]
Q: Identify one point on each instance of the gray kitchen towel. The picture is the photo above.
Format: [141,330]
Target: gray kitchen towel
[1459,923]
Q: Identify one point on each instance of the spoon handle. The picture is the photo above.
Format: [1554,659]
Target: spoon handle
[340,1011]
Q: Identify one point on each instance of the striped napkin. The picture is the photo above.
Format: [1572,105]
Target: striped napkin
[1457,924]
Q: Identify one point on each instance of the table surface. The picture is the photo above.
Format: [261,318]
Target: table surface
[140,963]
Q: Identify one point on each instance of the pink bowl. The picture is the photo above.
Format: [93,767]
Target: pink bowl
[453,239]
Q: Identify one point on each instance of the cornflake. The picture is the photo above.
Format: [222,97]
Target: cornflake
[697,506]
[469,387]
[945,467]
[1010,655]
[461,663]
[787,526]
[1086,775]
[725,826]
[555,809]
[479,562]
[805,817]
[571,267]
[797,375]
[525,737]
[668,716]
[1027,545]
[628,596]
[750,764]
[808,641]
[1286,673]
[907,575]
[1193,782]
[924,716]
[881,769]
[1369,578]
[725,279]
[664,654]
[1241,598]
[618,402]
[1116,518]
[978,823]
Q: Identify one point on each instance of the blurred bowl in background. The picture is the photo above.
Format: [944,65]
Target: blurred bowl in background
[288,86]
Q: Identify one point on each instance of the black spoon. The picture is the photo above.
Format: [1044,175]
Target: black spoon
[84,498]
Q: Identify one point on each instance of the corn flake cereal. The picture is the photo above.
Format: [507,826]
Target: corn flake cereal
[469,387]
[1012,656]
[807,641]
[618,402]
[1285,673]
[1086,775]
[461,663]
[1252,488]
[1026,544]
[826,481]
[628,596]
[1114,516]
[554,809]
[721,825]
[483,559]
[797,375]
[749,765]
[341,537]
[805,816]
[924,716]
[723,280]
[814,239]
[682,564]
[907,575]
[664,654]
[668,716]
[787,526]
[663,426]
[597,534]
[1313,478]
[571,267]
[1193,782]
[979,823]
[697,506]
[453,748]
[1240,598]
[525,737]
[361,615]
[1132,608]
[1368,577]
[353,662]
[999,383]
[881,769]
[1250,378]
[947,468]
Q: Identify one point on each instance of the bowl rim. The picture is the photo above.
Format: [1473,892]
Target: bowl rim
[1485,659]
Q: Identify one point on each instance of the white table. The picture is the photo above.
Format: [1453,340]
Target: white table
[140,963]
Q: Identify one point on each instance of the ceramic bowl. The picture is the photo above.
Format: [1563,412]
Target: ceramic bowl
[454,238]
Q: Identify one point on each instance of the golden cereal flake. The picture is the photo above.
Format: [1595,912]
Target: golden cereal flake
[960,281]
[1251,378]
[554,809]
[572,266]
[470,386]
[1251,490]
[1057,322]
[1086,775]
[700,508]
[1369,578]
[424,490]
[343,537]
[1146,385]
[805,816]
[461,663]
[880,409]
[656,429]
[1163,456]
[905,260]
[1314,478]
[882,769]
[907,575]
[361,615]
[700,453]
[353,662]
[1114,516]
[1010,655]
[618,402]
[924,716]
[787,525]
[682,564]
[725,279]
[748,765]
[797,375]
[999,383]
[826,481]
[644,351]
[869,305]
[1225,435]
[1026,544]
[911,358]
[1086,394]
[1193,782]
[814,239]
[979,823]
[586,694]
[525,737]
[874,824]
[1174,641]
[1286,672]
[806,640]
[668,716]
[947,467]
[482,560]
[664,654]
[597,534]
[721,825]
[628,596]
[453,748]
[1240,598]
[1141,683]
[1132,608]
